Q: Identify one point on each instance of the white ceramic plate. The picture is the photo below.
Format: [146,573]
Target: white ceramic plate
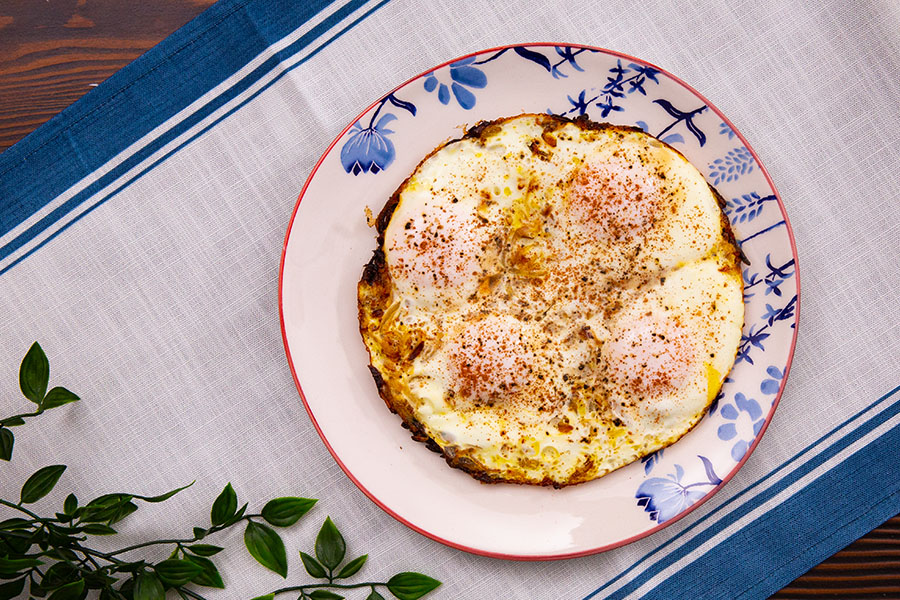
[328,242]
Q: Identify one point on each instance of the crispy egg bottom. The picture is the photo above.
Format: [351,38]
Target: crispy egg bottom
[390,359]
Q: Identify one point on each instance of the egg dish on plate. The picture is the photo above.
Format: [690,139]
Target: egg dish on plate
[551,299]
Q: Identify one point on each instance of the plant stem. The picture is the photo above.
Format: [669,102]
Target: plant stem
[88,559]
[92,561]
[215,529]
[146,544]
[5,420]
[108,557]
[21,509]
[190,593]
[318,586]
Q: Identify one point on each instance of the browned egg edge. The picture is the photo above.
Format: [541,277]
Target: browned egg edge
[374,293]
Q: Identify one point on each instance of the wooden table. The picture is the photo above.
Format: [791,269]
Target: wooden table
[52,52]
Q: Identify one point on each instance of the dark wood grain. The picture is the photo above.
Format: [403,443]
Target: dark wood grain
[867,568]
[53,51]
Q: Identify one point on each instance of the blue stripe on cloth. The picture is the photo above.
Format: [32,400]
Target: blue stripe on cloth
[235,90]
[138,98]
[185,125]
[796,523]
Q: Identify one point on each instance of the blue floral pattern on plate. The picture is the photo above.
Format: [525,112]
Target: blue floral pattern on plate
[724,129]
[651,460]
[772,383]
[620,82]
[735,163]
[747,207]
[463,75]
[667,497]
[369,149]
[743,409]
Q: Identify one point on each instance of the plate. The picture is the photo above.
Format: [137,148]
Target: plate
[328,241]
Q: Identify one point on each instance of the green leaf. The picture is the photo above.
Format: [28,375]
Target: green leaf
[18,546]
[312,566]
[352,567]
[61,553]
[94,580]
[283,512]
[109,515]
[10,566]
[147,586]
[330,546]
[20,541]
[70,504]
[209,577]
[135,568]
[266,547]
[12,421]
[98,529]
[236,516]
[265,597]
[411,586]
[224,507]
[177,572]
[324,595]
[41,483]
[374,596]
[63,530]
[34,373]
[57,397]
[14,523]
[165,496]
[127,588]
[10,590]
[58,575]
[109,508]
[108,500]
[70,591]
[121,512]
[7,439]
[205,549]
[200,533]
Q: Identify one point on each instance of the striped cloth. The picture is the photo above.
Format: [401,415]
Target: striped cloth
[140,232]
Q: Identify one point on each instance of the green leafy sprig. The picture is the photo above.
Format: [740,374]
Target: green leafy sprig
[29,543]
[34,376]
[52,555]
[328,565]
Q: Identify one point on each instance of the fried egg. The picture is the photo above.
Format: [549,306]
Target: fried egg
[550,299]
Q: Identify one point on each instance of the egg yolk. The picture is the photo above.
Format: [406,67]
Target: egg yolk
[439,247]
[614,199]
[649,355]
[490,359]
